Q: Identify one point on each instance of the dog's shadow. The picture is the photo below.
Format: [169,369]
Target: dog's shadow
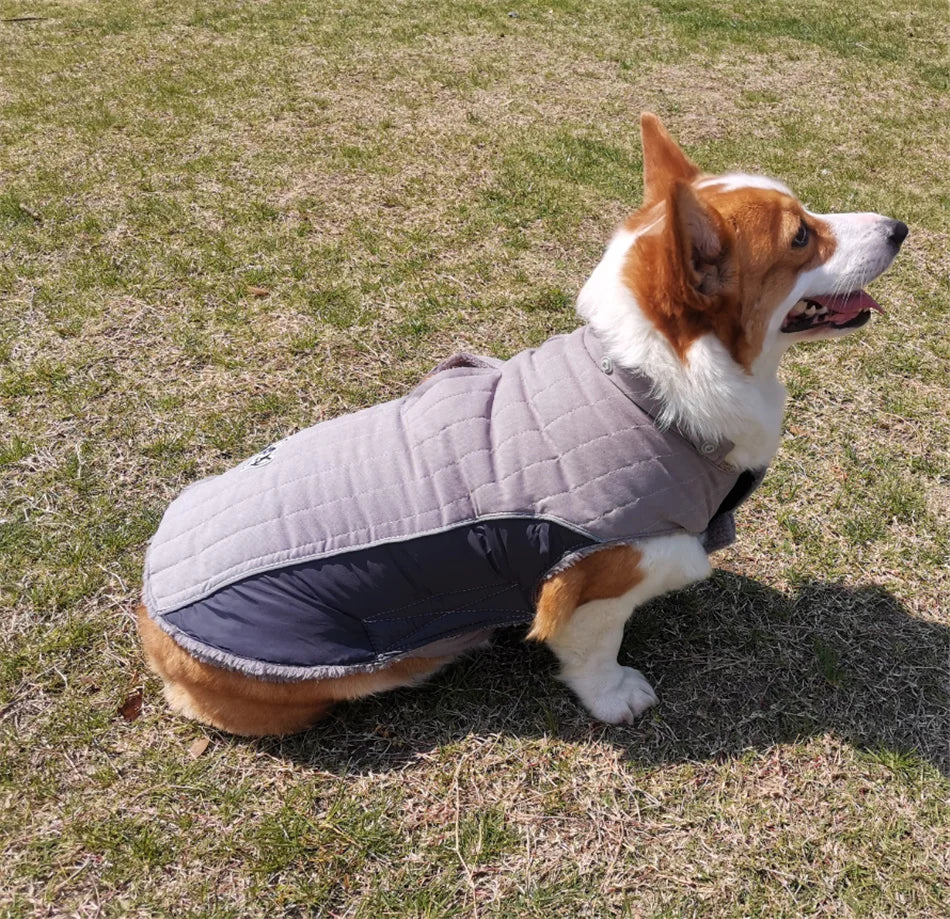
[737,666]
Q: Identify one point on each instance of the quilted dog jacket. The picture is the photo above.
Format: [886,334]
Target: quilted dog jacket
[415,526]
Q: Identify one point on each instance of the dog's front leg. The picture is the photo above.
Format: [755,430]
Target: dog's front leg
[586,639]
[587,649]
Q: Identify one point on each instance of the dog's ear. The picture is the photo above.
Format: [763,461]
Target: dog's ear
[663,161]
[701,243]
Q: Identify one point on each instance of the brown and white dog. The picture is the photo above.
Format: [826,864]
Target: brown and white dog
[702,290]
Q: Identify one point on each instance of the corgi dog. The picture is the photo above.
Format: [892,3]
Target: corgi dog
[562,488]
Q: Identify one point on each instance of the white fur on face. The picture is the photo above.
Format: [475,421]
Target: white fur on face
[735,180]
[862,253]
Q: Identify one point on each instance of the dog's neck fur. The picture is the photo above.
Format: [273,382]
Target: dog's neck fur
[708,396]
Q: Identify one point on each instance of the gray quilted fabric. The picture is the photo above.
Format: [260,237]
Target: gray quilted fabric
[555,432]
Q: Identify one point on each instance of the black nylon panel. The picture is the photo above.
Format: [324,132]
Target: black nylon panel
[398,596]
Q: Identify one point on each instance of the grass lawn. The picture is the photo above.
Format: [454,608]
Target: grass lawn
[222,221]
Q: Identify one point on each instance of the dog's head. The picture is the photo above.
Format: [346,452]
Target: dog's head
[738,257]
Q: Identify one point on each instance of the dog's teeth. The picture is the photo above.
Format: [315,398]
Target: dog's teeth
[811,309]
[798,308]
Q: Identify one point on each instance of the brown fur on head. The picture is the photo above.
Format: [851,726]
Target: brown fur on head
[717,259]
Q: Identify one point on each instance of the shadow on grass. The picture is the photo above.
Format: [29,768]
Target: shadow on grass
[737,666]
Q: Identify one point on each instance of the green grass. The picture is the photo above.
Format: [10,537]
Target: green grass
[405,180]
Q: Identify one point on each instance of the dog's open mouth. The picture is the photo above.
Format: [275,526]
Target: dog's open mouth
[839,311]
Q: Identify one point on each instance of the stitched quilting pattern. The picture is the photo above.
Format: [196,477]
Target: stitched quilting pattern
[546,433]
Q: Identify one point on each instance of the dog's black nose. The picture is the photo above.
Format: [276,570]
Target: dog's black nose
[896,232]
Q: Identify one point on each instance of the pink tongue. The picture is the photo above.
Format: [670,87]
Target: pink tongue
[848,306]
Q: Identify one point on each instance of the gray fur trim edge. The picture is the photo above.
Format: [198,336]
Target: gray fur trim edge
[288,673]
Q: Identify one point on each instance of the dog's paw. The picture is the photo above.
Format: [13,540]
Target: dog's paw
[623,697]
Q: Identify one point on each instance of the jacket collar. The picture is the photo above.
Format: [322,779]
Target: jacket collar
[638,388]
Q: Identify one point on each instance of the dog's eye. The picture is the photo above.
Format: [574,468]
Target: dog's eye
[801,237]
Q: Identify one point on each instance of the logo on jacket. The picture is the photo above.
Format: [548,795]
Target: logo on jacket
[264,457]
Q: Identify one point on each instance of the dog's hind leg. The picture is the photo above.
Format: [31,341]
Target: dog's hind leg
[225,699]
[251,707]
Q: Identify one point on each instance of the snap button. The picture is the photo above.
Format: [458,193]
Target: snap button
[607,365]
[708,448]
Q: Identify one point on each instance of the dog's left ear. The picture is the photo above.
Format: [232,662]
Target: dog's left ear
[701,241]
[663,161]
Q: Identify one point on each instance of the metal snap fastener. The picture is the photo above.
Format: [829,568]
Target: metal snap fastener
[708,448]
[607,365]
